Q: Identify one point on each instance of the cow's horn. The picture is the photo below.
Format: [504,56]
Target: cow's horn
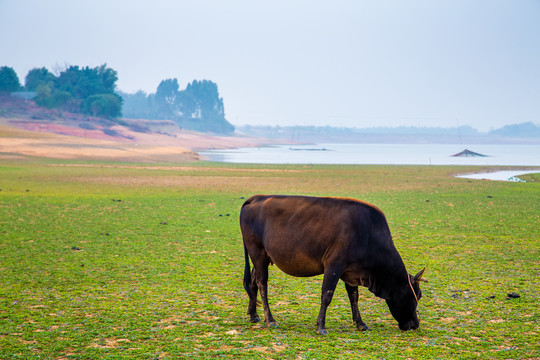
[418,277]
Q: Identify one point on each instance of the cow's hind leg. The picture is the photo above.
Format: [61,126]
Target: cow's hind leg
[330,280]
[252,307]
[352,291]
[262,283]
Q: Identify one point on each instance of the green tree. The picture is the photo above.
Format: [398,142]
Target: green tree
[76,89]
[36,77]
[108,78]
[105,105]
[52,99]
[81,83]
[206,112]
[61,99]
[43,93]
[165,98]
[9,81]
[167,91]
[86,81]
[138,105]
[198,107]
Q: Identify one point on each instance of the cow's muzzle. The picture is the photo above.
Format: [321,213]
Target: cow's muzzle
[410,325]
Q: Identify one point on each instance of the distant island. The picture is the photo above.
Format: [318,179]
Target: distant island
[524,133]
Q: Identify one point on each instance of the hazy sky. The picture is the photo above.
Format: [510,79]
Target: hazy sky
[286,62]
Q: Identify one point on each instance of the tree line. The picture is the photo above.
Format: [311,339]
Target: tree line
[76,89]
[198,107]
[93,91]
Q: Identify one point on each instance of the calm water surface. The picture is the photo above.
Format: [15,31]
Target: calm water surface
[408,154]
[506,175]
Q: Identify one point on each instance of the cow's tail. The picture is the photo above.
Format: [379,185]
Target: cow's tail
[247,268]
[247,274]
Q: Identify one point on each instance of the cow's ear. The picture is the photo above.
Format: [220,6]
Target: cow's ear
[418,277]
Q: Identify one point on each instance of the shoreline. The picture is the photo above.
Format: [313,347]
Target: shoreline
[23,138]
[379,154]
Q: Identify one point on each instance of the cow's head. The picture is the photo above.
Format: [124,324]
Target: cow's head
[404,300]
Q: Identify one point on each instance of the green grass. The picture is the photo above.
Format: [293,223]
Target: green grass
[146,261]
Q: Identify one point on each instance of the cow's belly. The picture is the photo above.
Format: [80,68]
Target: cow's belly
[298,264]
[303,271]
[299,250]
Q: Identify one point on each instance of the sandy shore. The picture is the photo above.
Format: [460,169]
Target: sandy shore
[24,138]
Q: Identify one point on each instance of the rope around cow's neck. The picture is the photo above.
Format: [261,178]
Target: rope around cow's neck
[414,292]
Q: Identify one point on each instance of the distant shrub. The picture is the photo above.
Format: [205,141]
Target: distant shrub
[42,116]
[106,105]
[139,128]
[87,126]
[111,132]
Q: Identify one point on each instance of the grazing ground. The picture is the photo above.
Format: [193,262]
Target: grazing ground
[125,260]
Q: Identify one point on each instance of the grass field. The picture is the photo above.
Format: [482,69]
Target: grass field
[103,260]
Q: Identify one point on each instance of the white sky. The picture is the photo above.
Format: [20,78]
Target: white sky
[285,62]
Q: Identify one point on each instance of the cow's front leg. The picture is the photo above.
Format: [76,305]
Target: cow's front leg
[330,280]
[352,291]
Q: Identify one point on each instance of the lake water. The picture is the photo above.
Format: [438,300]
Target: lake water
[387,154]
[506,175]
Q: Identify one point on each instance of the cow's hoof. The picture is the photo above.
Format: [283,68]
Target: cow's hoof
[255,319]
[322,331]
[273,324]
[363,327]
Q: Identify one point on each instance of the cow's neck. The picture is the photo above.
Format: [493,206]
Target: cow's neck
[384,280]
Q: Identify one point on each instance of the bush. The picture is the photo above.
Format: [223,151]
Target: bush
[106,105]
[87,126]
[111,132]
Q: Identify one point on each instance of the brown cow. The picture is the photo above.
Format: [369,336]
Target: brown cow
[341,238]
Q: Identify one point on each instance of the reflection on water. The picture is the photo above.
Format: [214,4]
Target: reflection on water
[408,154]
